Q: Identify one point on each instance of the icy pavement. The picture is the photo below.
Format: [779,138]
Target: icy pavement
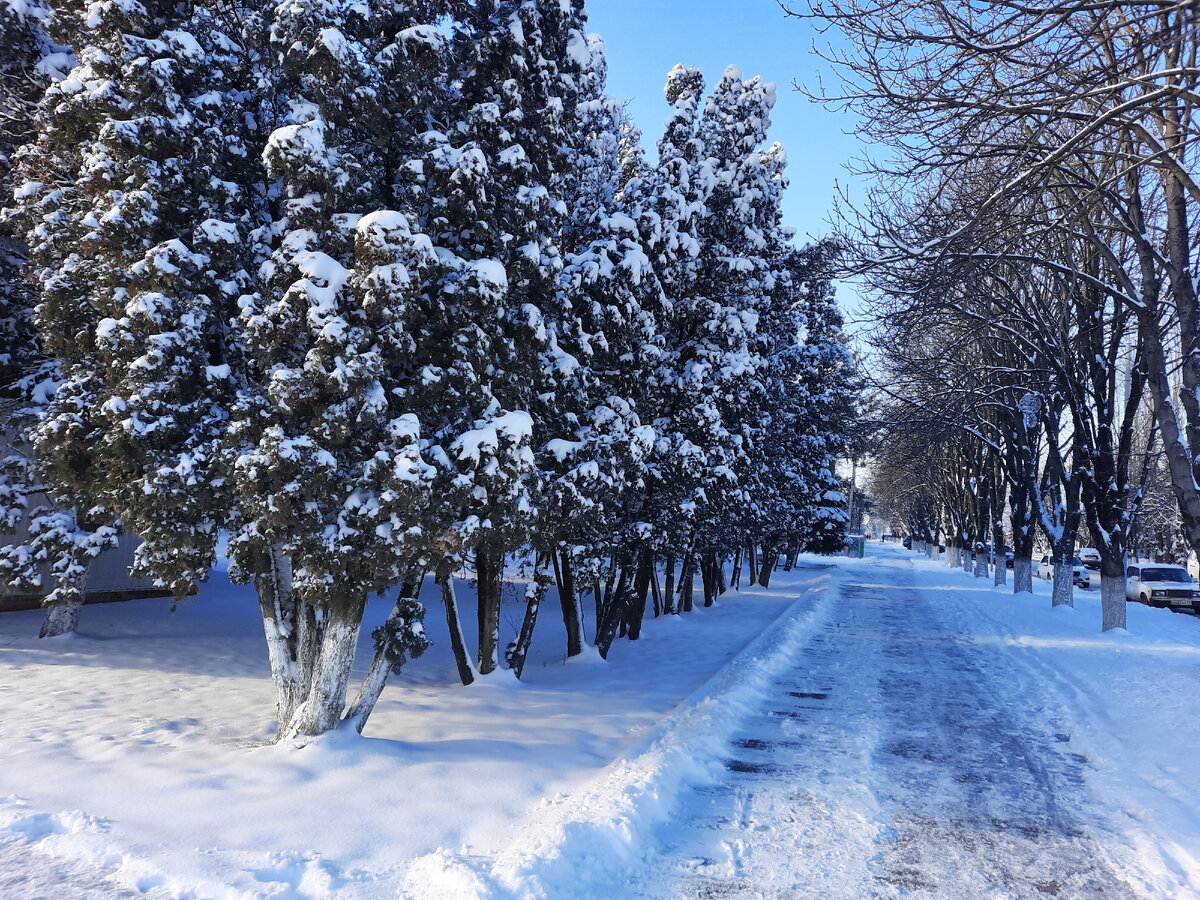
[887,764]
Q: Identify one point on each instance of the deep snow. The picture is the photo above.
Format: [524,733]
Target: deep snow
[134,754]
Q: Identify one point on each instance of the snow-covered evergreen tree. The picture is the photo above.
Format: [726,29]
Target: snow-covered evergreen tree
[132,309]
[496,179]
[604,340]
[28,58]
[331,475]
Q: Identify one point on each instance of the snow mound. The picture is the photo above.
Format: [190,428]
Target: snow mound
[590,843]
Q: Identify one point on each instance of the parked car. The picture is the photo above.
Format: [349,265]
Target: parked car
[1158,585]
[908,542]
[1008,559]
[1079,573]
[1090,557]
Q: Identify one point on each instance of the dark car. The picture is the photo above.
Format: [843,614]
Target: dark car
[908,543]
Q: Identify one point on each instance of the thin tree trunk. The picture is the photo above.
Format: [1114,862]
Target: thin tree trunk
[769,558]
[462,659]
[606,630]
[752,556]
[572,610]
[708,578]
[687,578]
[489,571]
[671,607]
[656,589]
[719,571]
[641,586]
[603,605]
[736,578]
[534,594]
[381,665]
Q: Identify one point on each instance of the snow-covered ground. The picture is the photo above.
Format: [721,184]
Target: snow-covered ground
[877,727]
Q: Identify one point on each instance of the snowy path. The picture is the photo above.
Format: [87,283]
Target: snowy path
[27,874]
[888,764]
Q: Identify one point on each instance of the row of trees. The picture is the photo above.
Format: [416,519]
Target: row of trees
[1031,243]
[382,292]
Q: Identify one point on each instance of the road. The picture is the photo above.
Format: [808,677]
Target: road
[887,765]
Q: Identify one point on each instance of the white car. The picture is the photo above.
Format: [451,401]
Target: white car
[1162,586]
[1079,574]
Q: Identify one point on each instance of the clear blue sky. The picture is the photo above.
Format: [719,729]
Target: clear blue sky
[645,38]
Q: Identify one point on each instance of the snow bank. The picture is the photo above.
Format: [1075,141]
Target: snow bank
[141,740]
[590,843]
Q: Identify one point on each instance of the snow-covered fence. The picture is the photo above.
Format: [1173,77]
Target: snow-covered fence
[108,579]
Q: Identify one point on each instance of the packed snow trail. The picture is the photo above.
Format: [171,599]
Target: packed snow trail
[888,765]
[26,874]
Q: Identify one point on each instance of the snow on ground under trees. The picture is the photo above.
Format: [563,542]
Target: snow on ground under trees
[136,763]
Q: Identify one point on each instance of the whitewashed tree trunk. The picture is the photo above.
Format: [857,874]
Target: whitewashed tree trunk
[981,564]
[1022,575]
[966,560]
[1112,602]
[62,617]
[275,604]
[1000,573]
[322,709]
[1063,592]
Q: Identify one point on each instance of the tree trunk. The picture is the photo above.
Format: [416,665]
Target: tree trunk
[603,604]
[62,616]
[1063,591]
[752,558]
[769,558]
[1022,575]
[719,571]
[462,659]
[655,589]
[981,562]
[606,628]
[534,594]
[489,571]
[641,585]
[669,586]
[572,609]
[687,579]
[381,665]
[321,710]
[736,578]
[294,634]
[1112,598]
